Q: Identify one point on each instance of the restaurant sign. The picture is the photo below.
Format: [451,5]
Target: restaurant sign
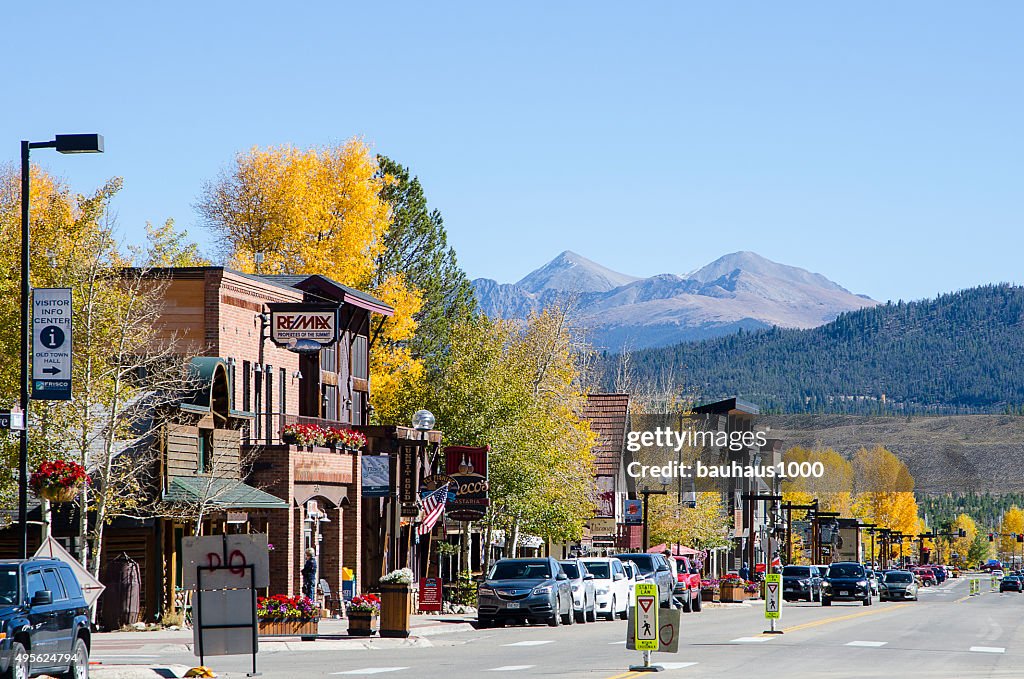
[467,466]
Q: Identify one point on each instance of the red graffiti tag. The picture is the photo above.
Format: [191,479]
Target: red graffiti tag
[237,567]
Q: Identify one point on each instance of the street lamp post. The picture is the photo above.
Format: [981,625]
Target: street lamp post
[63,143]
[645,491]
[422,421]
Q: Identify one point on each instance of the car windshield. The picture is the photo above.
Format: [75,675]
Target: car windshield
[520,570]
[598,569]
[796,572]
[644,563]
[8,585]
[570,569]
[899,577]
[846,571]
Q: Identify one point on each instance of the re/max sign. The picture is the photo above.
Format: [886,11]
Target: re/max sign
[291,323]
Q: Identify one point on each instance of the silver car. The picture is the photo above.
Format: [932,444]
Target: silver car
[584,596]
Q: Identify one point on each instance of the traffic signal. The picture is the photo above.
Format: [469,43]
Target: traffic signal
[961,533]
[991,537]
[1020,537]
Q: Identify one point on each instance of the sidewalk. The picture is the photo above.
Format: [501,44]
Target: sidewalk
[333,636]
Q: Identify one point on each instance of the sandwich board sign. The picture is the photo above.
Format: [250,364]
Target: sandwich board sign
[772,598]
[646,616]
[91,587]
[668,631]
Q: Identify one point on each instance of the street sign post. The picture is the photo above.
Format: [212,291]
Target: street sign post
[773,600]
[645,629]
[51,344]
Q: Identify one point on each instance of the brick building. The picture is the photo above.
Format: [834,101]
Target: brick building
[229,437]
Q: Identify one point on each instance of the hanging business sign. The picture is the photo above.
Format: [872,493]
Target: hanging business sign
[51,344]
[467,467]
[633,509]
[376,475]
[292,324]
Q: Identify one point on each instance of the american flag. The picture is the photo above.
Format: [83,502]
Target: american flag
[433,509]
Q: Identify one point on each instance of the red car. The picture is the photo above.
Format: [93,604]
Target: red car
[688,584]
[927,576]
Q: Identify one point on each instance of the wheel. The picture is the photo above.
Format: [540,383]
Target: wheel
[570,616]
[580,616]
[624,615]
[556,617]
[611,611]
[79,666]
[825,601]
[815,597]
[592,615]
[687,603]
[697,605]
[484,623]
[18,668]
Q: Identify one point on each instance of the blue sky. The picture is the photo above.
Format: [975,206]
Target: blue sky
[877,143]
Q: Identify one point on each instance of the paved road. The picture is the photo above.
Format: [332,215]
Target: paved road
[946,634]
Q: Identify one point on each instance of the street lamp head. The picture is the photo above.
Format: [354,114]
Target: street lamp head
[423,420]
[79,143]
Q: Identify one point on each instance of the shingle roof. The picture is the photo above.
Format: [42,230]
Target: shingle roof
[607,414]
[222,493]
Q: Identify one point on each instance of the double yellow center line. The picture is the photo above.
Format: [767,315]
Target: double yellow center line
[797,628]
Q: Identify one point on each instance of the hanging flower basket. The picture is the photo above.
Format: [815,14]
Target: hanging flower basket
[59,480]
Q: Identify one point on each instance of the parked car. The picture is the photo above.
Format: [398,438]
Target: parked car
[654,568]
[873,579]
[801,582]
[997,573]
[687,584]
[897,585]
[1011,583]
[612,586]
[525,589]
[584,595]
[42,610]
[926,574]
[846,581]
[940,572]
[633,576]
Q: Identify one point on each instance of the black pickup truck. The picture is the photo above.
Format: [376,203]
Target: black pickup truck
[44,620]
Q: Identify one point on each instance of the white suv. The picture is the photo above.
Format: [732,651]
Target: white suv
[611,586]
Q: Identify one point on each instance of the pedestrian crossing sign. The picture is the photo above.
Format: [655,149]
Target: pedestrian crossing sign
[773,596]
[646,616]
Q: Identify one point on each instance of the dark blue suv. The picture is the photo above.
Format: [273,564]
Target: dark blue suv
[44,620]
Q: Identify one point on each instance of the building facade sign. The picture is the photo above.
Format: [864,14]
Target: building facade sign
[291,323]
[467,466]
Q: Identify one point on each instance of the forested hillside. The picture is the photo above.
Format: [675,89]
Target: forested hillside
[962,352]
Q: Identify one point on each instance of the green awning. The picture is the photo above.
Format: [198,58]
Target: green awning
[221,493]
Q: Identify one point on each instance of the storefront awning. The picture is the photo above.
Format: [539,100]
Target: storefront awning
[335,494]
[220,493]
[210,388]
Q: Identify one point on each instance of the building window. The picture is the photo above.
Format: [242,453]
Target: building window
[247,396]
[358,406]
[329,358]
[330,401]
[360,357]
[205,462]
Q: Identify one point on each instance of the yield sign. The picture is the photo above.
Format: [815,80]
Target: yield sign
[645,603]
[772,604]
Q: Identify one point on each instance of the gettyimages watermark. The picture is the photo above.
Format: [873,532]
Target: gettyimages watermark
[828,453]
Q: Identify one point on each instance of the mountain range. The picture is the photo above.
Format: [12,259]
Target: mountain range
[738,291]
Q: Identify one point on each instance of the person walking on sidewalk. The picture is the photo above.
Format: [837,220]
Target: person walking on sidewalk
[309,574]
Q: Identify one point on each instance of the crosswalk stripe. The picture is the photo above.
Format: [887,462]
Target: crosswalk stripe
[750,640]
[868,644]
[510,668]
[988,649]
[535,642]
[676,665]
[371,670]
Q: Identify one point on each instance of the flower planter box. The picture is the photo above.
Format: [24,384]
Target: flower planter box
[733,593]
[361,623]
[290,628]
[395,610]
[712,595]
